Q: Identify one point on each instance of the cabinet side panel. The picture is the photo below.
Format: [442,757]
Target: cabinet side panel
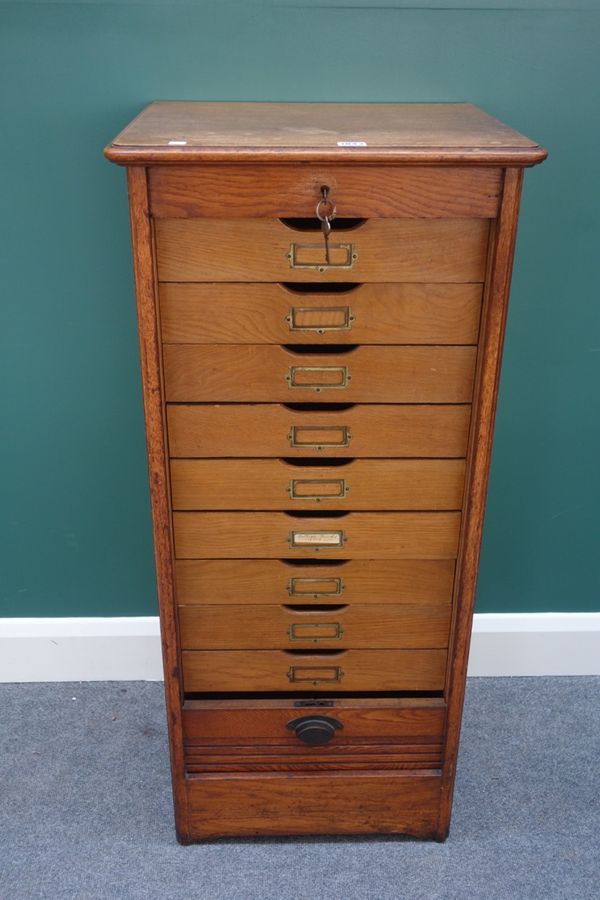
[150,359]
[479,456]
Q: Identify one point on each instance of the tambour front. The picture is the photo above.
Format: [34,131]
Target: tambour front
[321,292]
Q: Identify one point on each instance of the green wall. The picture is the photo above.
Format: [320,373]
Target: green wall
[74,510]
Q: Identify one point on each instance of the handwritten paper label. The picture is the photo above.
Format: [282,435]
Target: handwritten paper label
[327,538]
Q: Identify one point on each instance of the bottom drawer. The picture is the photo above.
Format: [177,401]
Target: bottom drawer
[272,735]
[286,670]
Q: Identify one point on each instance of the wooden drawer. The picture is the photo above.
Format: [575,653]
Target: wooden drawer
[273,430]
[369,484]
[292,190]
[371,626]
[284,670]
[200,373]
[255,535]
[362,314]
[276,581]
[381,250]
[369,733]
[393,719]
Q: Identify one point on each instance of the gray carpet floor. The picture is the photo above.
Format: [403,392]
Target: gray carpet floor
[85,807]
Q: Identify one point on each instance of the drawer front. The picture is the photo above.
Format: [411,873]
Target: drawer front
[282,670]
[365,314]
[239,535]
[272,430]
[200,373]
[362,484]
[275,581]
[285,190]
[397,720]
[291,627]
[381,250]
[364,733]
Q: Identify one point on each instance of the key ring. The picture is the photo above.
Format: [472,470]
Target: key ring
[325,201]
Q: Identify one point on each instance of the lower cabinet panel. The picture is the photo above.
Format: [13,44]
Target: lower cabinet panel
[324,803]
[284,670]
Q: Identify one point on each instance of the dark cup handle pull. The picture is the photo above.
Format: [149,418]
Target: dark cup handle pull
[314,730]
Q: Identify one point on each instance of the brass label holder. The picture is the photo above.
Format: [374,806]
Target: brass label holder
[315,378]
[336,631]
[316,540]
[312,256]
[340,486]
[295,584]
[296,431]
[315,674]
[298,313]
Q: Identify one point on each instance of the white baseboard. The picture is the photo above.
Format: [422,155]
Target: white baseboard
[128,648]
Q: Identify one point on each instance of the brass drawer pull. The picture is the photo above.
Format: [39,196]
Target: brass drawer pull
[312,256]
[318,378]
[319,437]
[307,587]
[315,631]
[320,318]
[315,674]
[318,489]
[314,540]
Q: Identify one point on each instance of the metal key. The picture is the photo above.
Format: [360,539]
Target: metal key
[326,229]
[325,214]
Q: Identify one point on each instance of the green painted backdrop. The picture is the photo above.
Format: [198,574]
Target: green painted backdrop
[75,515]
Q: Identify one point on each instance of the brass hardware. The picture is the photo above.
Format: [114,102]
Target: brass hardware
[315,674]
[312,256]
[314,730]
[314,540]
[296,374]
[295,629]
[296,485]
[342,315]
[325,212]
[296,432]
[294,585]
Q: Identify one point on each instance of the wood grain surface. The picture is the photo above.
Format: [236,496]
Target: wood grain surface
[365,314]
[271,535]
[416,250]
[361,484]
[274,430]
[368,626]
[197,373]
[282,670]
[456,133]
[377,802]
[244,581]
[290,190]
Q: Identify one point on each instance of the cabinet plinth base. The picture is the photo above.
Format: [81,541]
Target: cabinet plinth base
[279,804]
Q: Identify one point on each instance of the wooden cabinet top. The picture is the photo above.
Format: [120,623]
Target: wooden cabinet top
[417,133]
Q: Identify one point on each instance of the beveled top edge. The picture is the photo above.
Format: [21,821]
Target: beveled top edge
[194,131]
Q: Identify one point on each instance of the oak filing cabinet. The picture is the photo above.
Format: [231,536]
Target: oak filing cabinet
[322,292]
